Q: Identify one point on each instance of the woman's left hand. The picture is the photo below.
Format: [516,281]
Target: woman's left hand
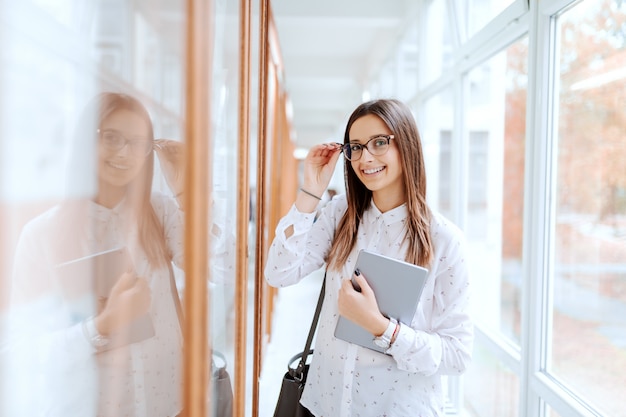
[171,154]
[361,307]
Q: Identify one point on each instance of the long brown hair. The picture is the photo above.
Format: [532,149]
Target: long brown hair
[398,118]
[150,231]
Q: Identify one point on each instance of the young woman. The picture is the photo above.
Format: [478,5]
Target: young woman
[384,210]
[67,349]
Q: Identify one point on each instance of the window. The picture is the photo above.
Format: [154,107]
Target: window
[435,127]
[437,53]
[588,336]
[496,117]
[481,12]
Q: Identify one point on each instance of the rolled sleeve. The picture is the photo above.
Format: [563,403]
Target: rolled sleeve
[305,250]
[301,223]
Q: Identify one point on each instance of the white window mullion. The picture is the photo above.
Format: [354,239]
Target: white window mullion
[460,151]
[536,298]
[458,20]
[559,398]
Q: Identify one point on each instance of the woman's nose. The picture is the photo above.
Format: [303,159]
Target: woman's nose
[366,155]
[124,150]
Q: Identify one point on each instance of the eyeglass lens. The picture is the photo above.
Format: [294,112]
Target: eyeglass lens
[376,146]
[115,141]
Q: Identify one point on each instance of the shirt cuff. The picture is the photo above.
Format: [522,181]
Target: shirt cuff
[78,342]
[300,221]
[408,339]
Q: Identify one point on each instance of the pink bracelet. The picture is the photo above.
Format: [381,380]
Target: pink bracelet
[395,333]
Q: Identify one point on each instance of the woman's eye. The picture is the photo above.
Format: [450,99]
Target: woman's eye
[380,142]
[111,137]
[355,147]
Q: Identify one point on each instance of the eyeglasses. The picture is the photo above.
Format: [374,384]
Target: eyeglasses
[113,140]
[376,146]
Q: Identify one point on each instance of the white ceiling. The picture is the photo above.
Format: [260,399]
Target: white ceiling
[330,49]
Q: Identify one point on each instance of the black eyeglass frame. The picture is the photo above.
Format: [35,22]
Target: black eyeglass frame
[127,142]
[345,147]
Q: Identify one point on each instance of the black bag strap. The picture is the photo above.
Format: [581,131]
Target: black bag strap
[307,348]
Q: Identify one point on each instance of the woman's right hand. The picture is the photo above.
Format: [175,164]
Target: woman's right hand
[171,154]
[319,166]
[130,298]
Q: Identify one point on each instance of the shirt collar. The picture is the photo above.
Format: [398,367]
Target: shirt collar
[104,213]
[395,215]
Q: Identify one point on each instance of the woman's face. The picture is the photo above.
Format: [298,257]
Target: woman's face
[381,174]
[123,144]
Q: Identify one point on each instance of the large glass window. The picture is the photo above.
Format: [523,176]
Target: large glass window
[497,394]
[589,275]
[437,55]
[480,12]
[496,109]
[435,123]
[408,63]
[91,177]
[496,141]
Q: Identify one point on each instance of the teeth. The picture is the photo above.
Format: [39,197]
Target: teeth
[373,170]
[118,166]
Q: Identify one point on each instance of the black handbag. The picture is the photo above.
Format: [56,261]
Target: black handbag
[288,404]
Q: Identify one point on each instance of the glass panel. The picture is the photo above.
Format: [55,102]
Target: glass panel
[496,123]
[436,131]
[445,172]
[385,84]
[551,413]
[408,63]
[589,281]
[86,88]
[437,44]
[481,12]
[494,390]
[223,160]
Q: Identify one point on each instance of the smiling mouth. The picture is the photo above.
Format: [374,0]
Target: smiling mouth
[373,170]
[116,166]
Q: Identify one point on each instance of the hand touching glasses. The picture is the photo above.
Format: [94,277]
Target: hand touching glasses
[376,146]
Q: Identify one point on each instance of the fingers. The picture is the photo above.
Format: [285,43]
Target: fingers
[335,155]
[171,158]
[325,150]
[134,295]
[362,283]
[168,145]
[125,281]
[169,150]
[140,292]
[140,284]
[320,163]
[347,295]
[350,302]
[131,283]
[130,298]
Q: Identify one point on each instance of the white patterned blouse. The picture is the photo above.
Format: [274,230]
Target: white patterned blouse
[348,380]
[54,362]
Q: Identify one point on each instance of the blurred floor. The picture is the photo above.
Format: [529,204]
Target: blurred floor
[293,311]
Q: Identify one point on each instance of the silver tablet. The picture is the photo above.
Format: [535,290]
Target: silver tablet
[398,286]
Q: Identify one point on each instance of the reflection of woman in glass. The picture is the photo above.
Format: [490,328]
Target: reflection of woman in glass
[77,361]
[384,210]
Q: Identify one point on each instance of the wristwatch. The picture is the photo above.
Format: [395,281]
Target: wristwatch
[93,336]
[384,340]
